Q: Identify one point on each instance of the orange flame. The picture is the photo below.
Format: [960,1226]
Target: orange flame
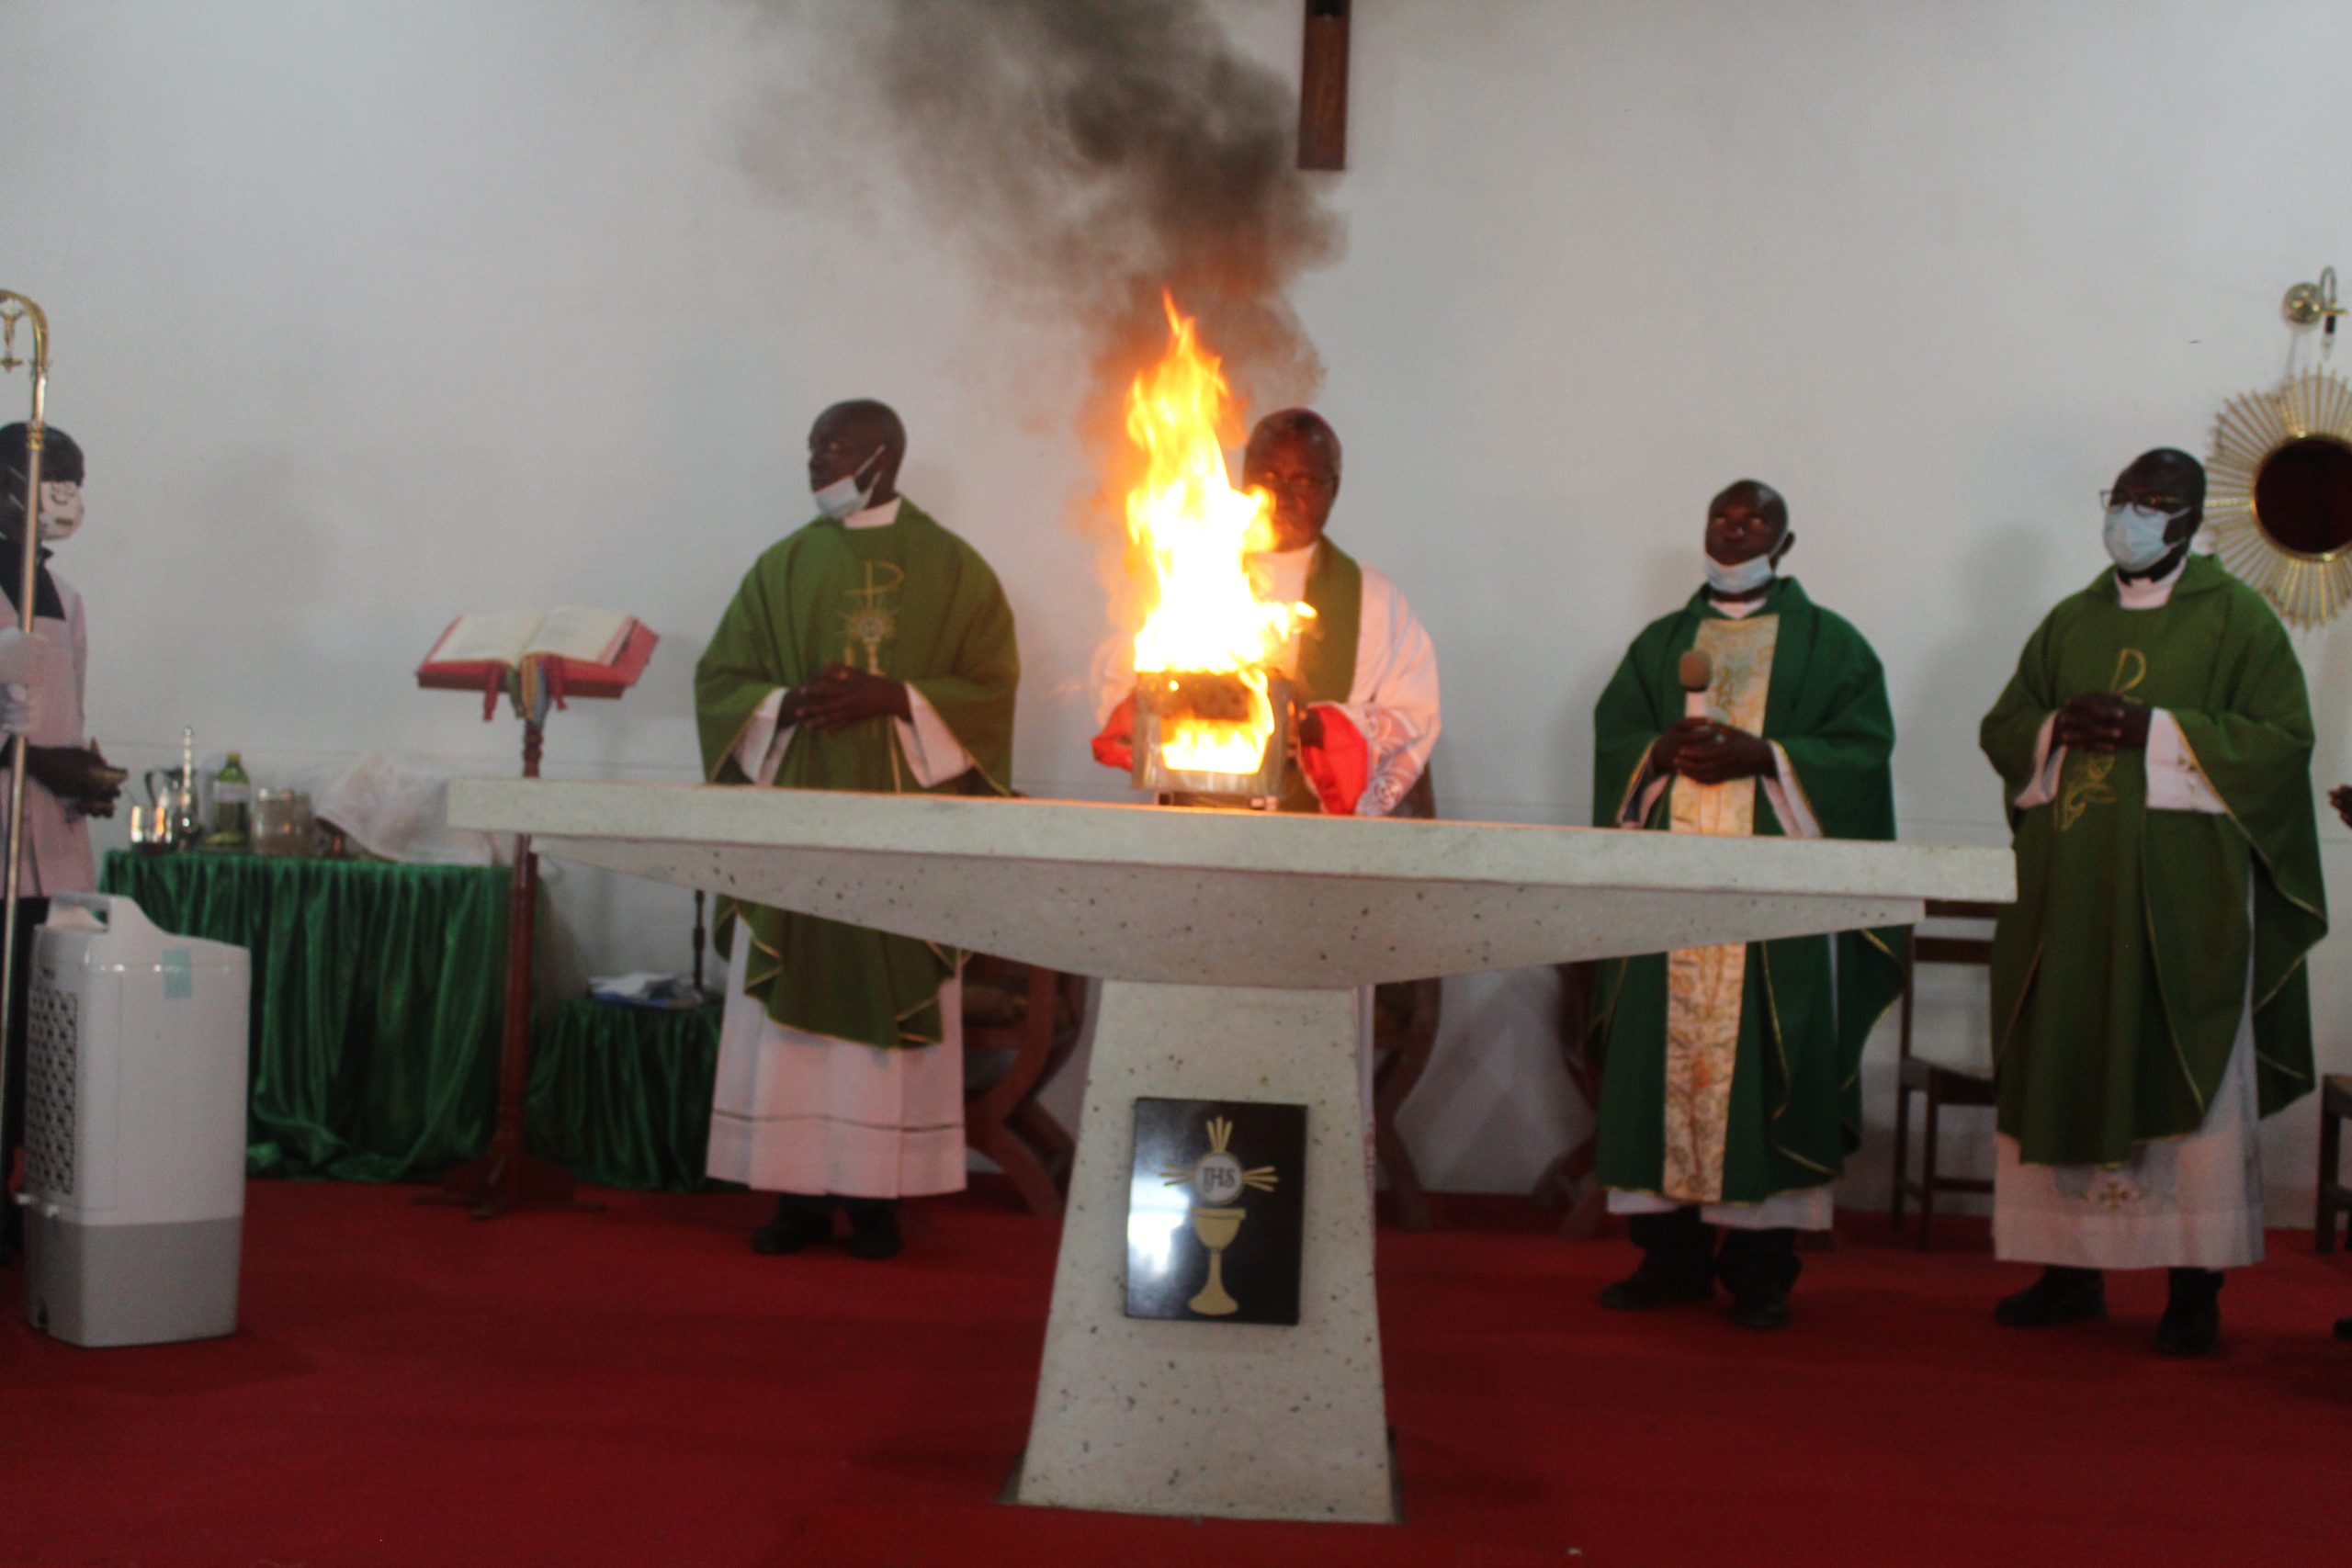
[1193,529]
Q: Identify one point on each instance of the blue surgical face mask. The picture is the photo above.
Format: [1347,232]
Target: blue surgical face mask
[2135,535]
[1745,578]
[845,497]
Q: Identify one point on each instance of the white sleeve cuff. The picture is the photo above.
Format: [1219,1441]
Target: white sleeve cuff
[1788,802]
[761,751]
[1642,799]
[2047,765]
[932,751]
[2175,781]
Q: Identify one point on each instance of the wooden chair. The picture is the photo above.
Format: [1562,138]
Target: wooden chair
[1942,1085]
[1021,1022]
[1567,1183]
[2335,1197]
[1405,1016]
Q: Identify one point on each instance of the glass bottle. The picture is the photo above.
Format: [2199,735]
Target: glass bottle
[233,805]
[187,827]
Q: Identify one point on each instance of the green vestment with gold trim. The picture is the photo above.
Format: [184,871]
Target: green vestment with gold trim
[1792,1109]
[909,600]
[2119,975]
[1327,651]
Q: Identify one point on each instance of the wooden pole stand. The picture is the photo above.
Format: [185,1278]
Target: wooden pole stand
[507,1176]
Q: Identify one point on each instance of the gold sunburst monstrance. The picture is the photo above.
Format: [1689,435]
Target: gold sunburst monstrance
[2280,504]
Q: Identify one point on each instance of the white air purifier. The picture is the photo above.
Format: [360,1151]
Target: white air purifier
[134,1128]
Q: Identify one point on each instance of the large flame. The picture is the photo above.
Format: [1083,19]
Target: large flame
[1193,529]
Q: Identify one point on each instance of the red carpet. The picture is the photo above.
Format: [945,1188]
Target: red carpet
[634,1387]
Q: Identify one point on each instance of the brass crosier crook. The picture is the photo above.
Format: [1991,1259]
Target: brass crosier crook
[14,308]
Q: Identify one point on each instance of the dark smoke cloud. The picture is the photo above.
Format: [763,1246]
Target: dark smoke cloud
[1091,153]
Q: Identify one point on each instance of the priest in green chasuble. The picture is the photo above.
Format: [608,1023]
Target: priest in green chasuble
[2150,1003]
[871,649]
[1729,1093]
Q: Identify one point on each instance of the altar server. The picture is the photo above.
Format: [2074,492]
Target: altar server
[1729,1094]
[41,681]
[1364,672]
[2150,1003]
[871,649]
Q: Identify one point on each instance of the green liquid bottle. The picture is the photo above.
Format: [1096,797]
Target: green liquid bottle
[233,805]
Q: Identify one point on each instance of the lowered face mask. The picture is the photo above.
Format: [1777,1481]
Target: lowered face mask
[61,509]
[2135,535]
[1745,576]
[845,497]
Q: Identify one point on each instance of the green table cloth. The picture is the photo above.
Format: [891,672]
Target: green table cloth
[620,1096]
[376,1001]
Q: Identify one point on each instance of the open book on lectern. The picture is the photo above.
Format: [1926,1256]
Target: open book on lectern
[582,652]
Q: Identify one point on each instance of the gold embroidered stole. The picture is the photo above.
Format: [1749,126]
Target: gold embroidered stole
[1703,984]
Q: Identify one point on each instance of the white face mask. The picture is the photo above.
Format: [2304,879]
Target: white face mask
[845,497]
[1746,578]
[2135,535]
[61,509]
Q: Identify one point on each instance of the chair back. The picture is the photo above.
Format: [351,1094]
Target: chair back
[1939,949]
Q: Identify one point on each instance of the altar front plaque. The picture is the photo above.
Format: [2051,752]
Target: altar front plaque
[1215,1211]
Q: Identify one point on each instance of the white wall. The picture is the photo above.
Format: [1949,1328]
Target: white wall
[371,313]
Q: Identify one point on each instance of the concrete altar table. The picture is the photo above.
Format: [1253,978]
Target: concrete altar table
[1231,944]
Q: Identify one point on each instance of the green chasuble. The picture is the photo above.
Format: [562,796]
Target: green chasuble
[1326,650]
[908,600]
[1732,1074]
[2120,973]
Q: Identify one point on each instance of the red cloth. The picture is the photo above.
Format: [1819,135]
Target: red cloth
[1116,746]
[1341,765]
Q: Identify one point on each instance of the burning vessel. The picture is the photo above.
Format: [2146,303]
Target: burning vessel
[1212,708]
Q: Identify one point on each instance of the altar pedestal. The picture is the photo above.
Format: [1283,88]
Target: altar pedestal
[1232,944]
[1245,1419]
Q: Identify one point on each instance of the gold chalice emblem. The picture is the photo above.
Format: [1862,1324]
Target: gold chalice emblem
[1216,1178]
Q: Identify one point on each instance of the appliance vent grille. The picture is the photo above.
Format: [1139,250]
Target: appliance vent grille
[53,1049]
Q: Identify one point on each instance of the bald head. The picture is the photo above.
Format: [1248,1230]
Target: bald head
[2167,480]
[861,438]
[1293,456]
[1747,519]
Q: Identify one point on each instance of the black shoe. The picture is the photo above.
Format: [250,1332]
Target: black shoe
[2192,1322]
[873,1228]
[1760,1267]
[800,1221]
[1760,1306]
[2060,1295]
[1645,1288]
[2344,1328]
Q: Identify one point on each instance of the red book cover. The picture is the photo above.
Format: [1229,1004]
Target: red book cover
[567,677]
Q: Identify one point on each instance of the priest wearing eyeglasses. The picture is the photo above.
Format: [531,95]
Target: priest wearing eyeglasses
[2150,1003]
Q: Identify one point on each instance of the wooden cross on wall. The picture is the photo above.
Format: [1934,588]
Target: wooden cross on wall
[1323,87]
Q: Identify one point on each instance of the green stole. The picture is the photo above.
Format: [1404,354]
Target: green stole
[1795,1110]
[1326,650]
[2120,973]
[909,600]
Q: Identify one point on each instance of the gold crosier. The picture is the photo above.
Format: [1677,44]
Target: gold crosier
[16,308]
[2085,784]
